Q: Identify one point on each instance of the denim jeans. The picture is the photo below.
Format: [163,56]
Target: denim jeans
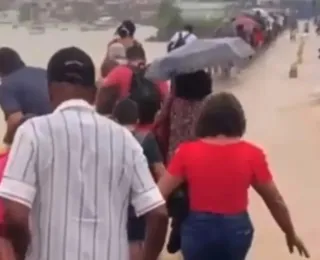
[209,236]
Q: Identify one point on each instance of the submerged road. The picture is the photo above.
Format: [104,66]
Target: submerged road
[282,118]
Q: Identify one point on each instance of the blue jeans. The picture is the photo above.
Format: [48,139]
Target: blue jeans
[209,236]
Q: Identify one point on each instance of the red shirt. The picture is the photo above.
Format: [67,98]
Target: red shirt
[147,127]
[121,77]
[219,176]
[258,37]
[3,163]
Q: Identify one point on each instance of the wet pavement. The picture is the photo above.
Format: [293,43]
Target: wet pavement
[282,117]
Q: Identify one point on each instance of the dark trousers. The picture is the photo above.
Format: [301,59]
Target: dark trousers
[208,236]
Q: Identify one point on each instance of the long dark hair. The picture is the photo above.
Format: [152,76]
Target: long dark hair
[192,86]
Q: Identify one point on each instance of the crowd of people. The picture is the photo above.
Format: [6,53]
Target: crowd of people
[93,170]
[259,27]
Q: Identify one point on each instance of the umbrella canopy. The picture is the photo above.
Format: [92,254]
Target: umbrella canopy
[247,22]
[198,55]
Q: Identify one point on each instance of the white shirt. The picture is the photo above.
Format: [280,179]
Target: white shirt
[189,37]
[78,171]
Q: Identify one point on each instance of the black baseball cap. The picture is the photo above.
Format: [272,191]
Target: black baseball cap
[71,65]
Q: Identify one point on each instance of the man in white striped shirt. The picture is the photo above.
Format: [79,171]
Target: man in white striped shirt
[74,172]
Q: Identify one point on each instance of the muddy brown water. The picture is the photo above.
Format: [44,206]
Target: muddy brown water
[282,117]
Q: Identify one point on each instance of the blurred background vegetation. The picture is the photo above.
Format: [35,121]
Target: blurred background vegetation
[203,15]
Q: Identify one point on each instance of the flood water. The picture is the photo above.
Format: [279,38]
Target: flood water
[282,117]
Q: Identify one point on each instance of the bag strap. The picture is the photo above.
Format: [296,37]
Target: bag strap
[137,73]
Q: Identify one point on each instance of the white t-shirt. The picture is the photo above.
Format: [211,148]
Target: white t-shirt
[189,37]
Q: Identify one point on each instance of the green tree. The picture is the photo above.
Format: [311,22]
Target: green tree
[168,16]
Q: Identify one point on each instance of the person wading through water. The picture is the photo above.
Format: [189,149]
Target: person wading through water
[125,36]
[219,167]
[128,81]
[126,113]
[116,56]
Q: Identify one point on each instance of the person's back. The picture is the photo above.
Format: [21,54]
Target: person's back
[76,172]
[116,55]
[29,87]
[181,38]
[95,180]
[218,169]
[227,171]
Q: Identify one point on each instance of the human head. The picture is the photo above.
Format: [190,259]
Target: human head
[12,129]
[193,86]
[136,55]
[147,111]
[240,27]
[126,112]
[71,75]
[10,61]
[188,28]
[126,29]
[221,114]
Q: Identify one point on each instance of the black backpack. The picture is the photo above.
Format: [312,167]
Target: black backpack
[143,89]
[181,41]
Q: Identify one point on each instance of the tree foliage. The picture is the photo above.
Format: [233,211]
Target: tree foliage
[169,16]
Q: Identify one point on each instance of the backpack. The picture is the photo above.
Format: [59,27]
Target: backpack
[143,89]
[181,41]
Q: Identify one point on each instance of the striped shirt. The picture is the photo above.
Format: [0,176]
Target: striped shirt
[78,171]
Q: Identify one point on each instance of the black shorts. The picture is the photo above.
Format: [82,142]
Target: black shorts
[136,229]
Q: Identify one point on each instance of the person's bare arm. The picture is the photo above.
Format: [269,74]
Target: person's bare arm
[264,185]
[276,205]
[168,184]
[10,105]
[156,231]
[106,99]
[18,188]
[6,250]
[17,228]
[158,170]
[13,120]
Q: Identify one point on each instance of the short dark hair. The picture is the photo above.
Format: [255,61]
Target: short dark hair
[10,61]
[147,111]
[135,52]
[126,112]
[71,65]
[188,28]
[221,114]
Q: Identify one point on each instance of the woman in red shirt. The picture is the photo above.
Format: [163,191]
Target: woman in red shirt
[219,168]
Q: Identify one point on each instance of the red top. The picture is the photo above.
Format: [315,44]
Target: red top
[121,76]
[3,163]
[258,37]
[219,175]
[147,127]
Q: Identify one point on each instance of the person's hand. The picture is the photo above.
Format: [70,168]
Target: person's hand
[293,242]
[6,250]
